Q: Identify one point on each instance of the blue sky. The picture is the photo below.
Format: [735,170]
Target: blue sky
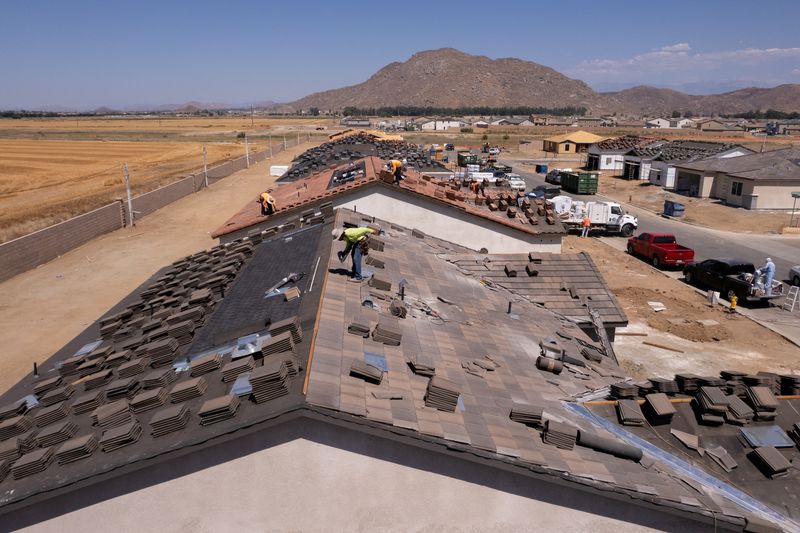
[84,54]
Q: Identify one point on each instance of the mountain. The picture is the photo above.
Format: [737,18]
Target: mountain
[450,78]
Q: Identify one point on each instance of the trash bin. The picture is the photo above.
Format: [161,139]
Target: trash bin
[541,169]
[673,209]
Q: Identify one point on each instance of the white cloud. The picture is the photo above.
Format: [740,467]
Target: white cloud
[679,58]
[796,72]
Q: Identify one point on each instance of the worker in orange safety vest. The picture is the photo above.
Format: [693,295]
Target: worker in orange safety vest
[267,203]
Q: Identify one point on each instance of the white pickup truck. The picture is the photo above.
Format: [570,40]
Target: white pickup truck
[515,182]
[608,217]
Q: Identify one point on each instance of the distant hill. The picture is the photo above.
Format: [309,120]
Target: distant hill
[450,78]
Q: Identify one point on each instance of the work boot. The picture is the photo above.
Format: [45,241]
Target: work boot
[341,256]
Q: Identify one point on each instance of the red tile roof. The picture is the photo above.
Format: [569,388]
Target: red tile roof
[302,194]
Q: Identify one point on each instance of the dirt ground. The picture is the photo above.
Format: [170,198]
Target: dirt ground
[84,283]
[721,341]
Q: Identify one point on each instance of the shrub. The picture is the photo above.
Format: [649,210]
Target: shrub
[466,130]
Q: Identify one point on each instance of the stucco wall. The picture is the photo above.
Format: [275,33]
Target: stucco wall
[447,223]
[307,475]
[775,195]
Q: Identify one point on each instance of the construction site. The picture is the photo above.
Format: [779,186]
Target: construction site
[483,348]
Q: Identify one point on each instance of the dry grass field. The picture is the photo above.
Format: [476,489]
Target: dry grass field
[53,169]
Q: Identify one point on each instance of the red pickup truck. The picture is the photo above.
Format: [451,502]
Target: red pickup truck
[660,249]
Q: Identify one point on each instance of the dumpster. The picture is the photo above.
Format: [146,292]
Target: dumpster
[673,209]
[579,182]
[541,169]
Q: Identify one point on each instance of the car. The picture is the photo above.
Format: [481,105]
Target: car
[543,191]
[794,275]
[494,151]
[515,182]
[731,277]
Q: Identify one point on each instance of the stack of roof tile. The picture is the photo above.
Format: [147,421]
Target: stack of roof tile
[380,284]
[232,370]
[530,415]
[387,331]
[121,436]
[76,449]
[11,449]
[559,434]
[188,389]
[360,369]
[763,401]
[169,420]
[218,409]
[713,403]
[630,413]
[422,364]
[738,412]
[271,380]
[32,463]
[203,365]
[658,408]
[149,399]
[90,367]
[292,325]
[42,387]
[70,365]
[356,328]
[52,414]
[20,407]
[283,342]
[14,426]
[122,388]
[57,395]
[711,381]
[687,383]
[118,358]
[162,351]
[667,386]
[790,385]
[194,313]
[442,394]
[182,331]
[771,461]
[98,379]
[112,414]
[88,402]
[773,380]
[133,368]
[759,380]
[794,433]
[159,378]
[624,390]
[56,433]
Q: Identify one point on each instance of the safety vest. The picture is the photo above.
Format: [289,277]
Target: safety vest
[267,198]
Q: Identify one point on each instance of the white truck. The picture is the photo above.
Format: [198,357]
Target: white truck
[516,183]
[608,217]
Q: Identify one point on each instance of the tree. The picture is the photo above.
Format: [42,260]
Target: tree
[314,111]
[688,114]
[676,114]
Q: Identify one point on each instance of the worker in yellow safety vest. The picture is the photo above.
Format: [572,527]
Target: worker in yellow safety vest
[357,240]
[396,168]
[267,203]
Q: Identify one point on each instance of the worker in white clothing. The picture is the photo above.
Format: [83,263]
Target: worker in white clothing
[768,271]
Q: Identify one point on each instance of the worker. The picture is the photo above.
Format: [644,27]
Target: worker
[474,187]
[395,166]
[267,203]
[586,223]
[768,271]
[357,245]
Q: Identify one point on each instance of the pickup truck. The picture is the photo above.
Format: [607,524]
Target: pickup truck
[794,275]
[516,182]
[731,277]
[661,249]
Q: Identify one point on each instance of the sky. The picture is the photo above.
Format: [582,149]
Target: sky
[87,54]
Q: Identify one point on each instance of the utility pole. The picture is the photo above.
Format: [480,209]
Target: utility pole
[270,145]
[205,166]
[127,179]
[251,116]
[298,138]
[284,142]
[246,151]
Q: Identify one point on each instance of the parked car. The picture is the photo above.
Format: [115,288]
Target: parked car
[794,275]
[661,249]
[543,191]
[516,182]
[494,151]
[731,277]
[554,177]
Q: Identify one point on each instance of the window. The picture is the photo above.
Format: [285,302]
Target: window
[736,188]
[616,210]
[608,160]
[566,147]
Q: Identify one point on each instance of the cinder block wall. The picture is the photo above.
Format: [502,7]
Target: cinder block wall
[155,200]
[32,250]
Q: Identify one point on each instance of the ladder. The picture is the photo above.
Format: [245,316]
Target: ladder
[792,300]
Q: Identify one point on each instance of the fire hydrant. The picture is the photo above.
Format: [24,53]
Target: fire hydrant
[734,301]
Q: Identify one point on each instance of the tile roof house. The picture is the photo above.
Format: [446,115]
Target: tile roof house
[225,390]
[609,154]
[441,208]
[756,181]
[569,143]
[656,162]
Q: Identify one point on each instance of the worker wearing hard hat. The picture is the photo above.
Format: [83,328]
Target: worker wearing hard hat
[357,240]
[267,203]
[395,166]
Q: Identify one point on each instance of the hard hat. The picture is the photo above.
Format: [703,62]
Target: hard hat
[337,233]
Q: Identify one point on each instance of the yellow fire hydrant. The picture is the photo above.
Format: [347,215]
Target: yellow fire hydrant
[734,301]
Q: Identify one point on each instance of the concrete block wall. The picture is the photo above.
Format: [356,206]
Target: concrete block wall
[154,200]
[36,248]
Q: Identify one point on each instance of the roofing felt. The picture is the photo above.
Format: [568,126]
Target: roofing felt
[783,164]
[300,196]
[682,151]
[564,283]
[577,137]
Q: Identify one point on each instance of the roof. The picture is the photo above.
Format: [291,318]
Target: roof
[625,143]
[577,137]
[299,196]
[683,151]
[564,283]
[781,164]
[374,134]
[318,362]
